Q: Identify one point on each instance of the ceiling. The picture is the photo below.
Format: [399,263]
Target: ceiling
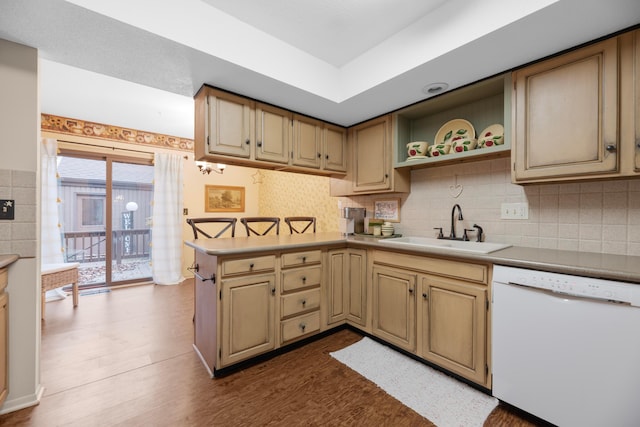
[138,63]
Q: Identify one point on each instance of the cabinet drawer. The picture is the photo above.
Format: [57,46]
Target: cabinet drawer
[301,278]
[299,302]
[4,277]
[296,259]
[299,326]
[249,265]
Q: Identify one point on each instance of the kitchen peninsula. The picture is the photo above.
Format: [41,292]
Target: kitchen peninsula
[256,295]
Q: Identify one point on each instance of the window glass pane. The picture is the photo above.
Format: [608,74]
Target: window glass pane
[92,211]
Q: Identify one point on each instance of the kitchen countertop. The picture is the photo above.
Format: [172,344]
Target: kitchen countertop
[8,259]
[606,266]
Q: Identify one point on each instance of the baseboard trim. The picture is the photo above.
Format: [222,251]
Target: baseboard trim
[22,402]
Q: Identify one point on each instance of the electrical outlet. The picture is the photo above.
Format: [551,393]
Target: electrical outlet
[185,211]
[514,210]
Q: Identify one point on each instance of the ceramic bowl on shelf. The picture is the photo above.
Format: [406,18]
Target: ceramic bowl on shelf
[461,145]
[387,229]
[417,148]
[491,136]
[437,150]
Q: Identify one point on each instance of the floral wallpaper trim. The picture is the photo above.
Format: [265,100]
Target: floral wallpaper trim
[102,131]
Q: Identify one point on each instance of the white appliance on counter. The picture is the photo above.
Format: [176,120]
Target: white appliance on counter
[566,349]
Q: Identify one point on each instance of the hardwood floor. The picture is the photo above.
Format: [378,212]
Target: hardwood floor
[126,358]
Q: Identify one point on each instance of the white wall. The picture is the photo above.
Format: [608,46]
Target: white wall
[19,136]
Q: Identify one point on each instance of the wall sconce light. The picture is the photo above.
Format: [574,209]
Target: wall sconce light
[206,168]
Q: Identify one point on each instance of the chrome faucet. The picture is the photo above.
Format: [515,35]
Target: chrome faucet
[453,220]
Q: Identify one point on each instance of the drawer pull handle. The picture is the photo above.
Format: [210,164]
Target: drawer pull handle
[273,291]
[611,148]
[304,259]
[251,265]
[302,326]
[304,302]
[424,295]
[304,279]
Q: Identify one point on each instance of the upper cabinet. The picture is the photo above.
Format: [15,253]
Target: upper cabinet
[482,104]
[566,115]
[235,130]
[370,168]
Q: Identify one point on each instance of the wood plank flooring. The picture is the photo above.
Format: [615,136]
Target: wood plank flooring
[125,358]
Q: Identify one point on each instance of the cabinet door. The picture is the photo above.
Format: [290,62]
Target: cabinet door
[394,306]
[357,289]
[636,99]
[3,347]
[371,145]
[273,133]
[335,148]
[454,326]
[347,286]
[248,317]
[337,285]
[229,125]
[566,114]
[307,142]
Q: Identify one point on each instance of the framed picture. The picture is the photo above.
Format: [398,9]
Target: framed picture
[387,209]
[221,198]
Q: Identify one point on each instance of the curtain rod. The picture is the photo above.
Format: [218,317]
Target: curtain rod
[114,148]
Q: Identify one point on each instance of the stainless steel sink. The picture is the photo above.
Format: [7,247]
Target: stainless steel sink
[453,245]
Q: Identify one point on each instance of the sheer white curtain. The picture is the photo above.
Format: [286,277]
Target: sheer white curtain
[51,238]
[166,253]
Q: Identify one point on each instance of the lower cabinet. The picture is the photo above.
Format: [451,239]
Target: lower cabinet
[394,306]
[454,326]
[346,286]
[247,317]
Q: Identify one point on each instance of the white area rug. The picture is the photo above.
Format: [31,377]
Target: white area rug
[441,399]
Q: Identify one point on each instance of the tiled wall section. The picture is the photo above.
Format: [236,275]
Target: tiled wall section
[290,194]
[588,217]
[19,236]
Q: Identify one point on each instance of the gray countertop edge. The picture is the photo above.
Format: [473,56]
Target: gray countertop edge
[590,264]
[8,259]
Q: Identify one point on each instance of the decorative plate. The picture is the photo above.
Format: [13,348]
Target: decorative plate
[453,130]
[493,135]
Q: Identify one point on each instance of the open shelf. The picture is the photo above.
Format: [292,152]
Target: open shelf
[483,103]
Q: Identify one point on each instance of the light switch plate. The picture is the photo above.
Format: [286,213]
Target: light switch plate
[514,210]
[7,209]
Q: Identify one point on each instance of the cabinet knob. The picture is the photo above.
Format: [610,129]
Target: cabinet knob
[611,148]
[304,302]
[411,291]
[425,296]
[304,279]
[251,266]
[247,142]
[259,144]
[302,326]
[319,155]
[273,291]
[386,175]
[304,259]
[326,157]
[638,143]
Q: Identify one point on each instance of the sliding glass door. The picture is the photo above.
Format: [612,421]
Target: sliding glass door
[106,217]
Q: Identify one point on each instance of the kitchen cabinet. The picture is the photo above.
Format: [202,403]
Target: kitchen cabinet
[454,326]
[346,286]
[225,123]
[301,279]
[235,130]
[4,342]
[566,116]
[394,306]
[370,167]
[248,316]
[273,133]
[335,148]
[483,103]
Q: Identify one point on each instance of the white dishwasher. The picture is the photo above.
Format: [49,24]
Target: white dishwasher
[566,349]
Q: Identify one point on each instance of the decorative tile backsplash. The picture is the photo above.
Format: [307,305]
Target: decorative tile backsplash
[588,217]
[18,236]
